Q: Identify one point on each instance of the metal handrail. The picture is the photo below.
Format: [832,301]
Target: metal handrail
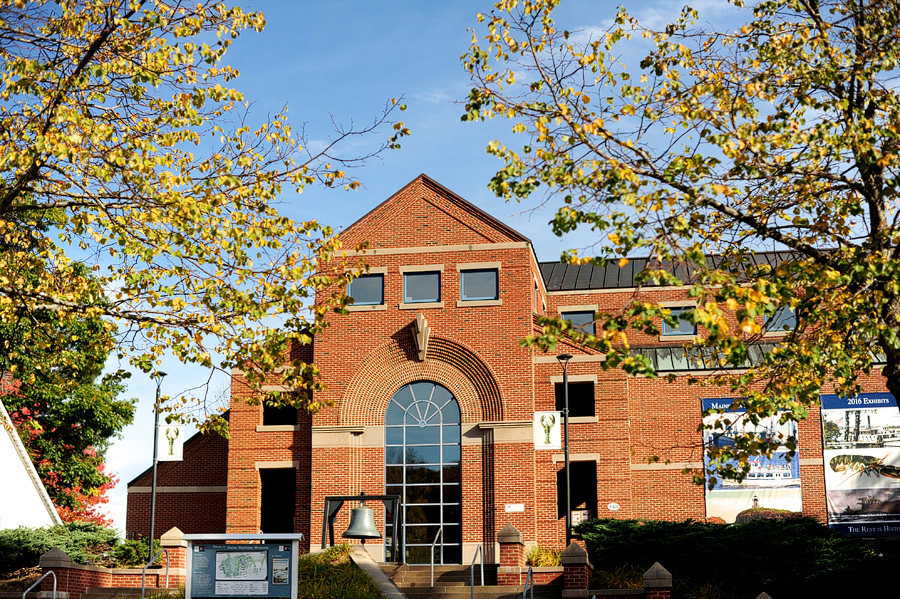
[529,582]
[440,532]
[38,581]
[478,552]
[150,563]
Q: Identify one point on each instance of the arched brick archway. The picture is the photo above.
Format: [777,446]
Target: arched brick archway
[448,363]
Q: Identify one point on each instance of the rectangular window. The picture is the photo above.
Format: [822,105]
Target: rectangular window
[583,488]
[784,319]
[581,398]
[421,287]
[279,415]
[367,290]
[684,327]
[478,284]
[582,321]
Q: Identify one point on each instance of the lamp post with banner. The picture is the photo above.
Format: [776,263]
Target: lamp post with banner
[157,378]
[564,361]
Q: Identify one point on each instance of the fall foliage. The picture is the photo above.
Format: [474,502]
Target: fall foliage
[778,134]
[123,146]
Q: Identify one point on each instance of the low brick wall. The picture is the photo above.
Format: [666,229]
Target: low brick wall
[516,575]
[75,579]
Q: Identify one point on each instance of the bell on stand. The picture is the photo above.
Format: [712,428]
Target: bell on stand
[362,523]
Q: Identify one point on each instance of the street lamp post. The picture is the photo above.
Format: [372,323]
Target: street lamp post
[158,378]
[564,361]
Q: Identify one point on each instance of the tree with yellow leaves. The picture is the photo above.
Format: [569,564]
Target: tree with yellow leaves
[122,145]
[783,134]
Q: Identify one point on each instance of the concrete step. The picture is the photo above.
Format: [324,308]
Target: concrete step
[485,592]
[122,592]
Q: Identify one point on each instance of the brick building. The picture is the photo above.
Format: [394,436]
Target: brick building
[434,398]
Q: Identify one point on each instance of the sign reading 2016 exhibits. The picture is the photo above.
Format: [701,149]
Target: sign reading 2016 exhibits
[862,463]
[219,570]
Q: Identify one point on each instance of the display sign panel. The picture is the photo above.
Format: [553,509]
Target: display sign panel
[244,570]
[772,487]
[548,430]
[862,463]
[170,442]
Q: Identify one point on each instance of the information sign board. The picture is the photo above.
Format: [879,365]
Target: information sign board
[235,565]
[220,570]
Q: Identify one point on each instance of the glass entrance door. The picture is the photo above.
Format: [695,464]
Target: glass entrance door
[422,466]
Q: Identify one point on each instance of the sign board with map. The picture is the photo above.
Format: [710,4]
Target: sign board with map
[263,569]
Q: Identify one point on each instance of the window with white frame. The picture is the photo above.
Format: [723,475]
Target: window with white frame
[683,327]
[582,320]
[784,319]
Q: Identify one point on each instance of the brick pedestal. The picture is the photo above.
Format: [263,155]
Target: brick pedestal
[512,555]
[657,582]
[177,547]
[577,569]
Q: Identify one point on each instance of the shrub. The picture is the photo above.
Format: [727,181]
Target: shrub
[788,557]
[133,553]
[23,547]
[542,557]
[332,575]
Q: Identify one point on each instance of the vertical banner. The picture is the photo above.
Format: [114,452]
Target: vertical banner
[862,463]
[548,430]
[772,487]
[171,442]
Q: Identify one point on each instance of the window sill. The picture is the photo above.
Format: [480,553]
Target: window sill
[583,419]
[478,303]
[367,308]
[681,338]
[777,333]
[420,305]
[277,428]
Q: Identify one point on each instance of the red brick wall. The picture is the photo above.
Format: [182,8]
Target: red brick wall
[77,579]
[474,351]
[205,464]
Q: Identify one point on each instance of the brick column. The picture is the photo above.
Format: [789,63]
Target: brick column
[657,582]
[177,547]
[512,555]
[577,569]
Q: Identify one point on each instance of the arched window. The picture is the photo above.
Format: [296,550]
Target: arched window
[422,465]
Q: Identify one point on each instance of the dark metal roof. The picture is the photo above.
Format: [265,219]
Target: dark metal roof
[575,277]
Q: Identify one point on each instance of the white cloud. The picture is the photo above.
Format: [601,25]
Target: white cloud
[434,97]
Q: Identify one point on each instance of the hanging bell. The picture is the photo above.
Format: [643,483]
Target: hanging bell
[362,524]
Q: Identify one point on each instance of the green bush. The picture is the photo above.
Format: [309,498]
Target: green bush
[133,553]
[23,547]
[790,557]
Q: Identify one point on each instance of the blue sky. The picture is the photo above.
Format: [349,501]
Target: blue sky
[345,59]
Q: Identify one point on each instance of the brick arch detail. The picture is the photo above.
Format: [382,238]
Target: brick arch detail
[448,363]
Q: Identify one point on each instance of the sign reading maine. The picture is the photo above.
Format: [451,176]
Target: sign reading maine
[219,570]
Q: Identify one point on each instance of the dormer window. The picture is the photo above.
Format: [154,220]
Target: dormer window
[784,320]
[682,327]
[582,321]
